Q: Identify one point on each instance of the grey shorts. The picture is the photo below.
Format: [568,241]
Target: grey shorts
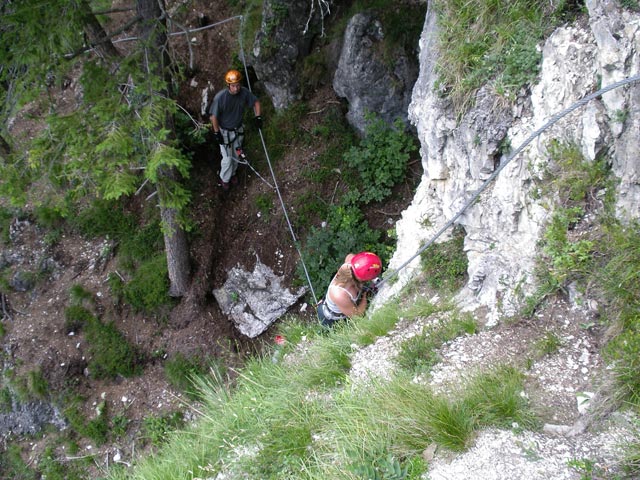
[327,317]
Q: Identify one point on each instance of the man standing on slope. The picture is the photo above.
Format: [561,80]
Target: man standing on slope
[226,112]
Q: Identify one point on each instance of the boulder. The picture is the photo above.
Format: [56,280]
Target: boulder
[254,300]
[284,39]
[368,79]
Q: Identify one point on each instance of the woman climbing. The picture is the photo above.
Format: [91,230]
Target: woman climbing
[346,293]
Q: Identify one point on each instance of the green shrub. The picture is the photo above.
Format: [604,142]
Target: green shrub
[111,353]
[445,264]
[95,429]
[347,231]
[76,317]
[104,218]
[148,290]
[379,162]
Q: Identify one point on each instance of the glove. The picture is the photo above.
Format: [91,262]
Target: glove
[257,121]
[371,288]
[219,138]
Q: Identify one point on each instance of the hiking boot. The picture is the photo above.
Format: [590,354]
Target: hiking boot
[223,185]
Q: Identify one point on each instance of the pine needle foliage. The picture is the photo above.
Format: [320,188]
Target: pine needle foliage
[118,135]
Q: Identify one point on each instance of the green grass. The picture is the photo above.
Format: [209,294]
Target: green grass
[419,353]
[182,372]
[148,289]
[297,421]
[491,42]
[111,354]
[445,264]
[547,344]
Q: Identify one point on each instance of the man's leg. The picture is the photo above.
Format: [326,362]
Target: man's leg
[237,143]
[227,163]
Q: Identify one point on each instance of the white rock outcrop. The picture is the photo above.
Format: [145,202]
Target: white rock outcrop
[504,225]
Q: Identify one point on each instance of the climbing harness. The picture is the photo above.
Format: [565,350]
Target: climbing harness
[554,119]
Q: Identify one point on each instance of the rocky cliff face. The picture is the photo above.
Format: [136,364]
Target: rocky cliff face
[504,225]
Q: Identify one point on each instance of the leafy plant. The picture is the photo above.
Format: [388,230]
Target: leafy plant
[388,468]
[346,231]
[567,258]
[379,162]
[156,428]
[587,468]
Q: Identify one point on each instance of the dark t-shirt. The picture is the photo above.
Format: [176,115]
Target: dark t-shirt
[229,109]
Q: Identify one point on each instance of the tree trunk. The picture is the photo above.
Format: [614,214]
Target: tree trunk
[96,34]
[175,240]
[176,248]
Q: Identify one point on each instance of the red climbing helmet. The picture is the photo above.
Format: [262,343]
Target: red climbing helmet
[366,266]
